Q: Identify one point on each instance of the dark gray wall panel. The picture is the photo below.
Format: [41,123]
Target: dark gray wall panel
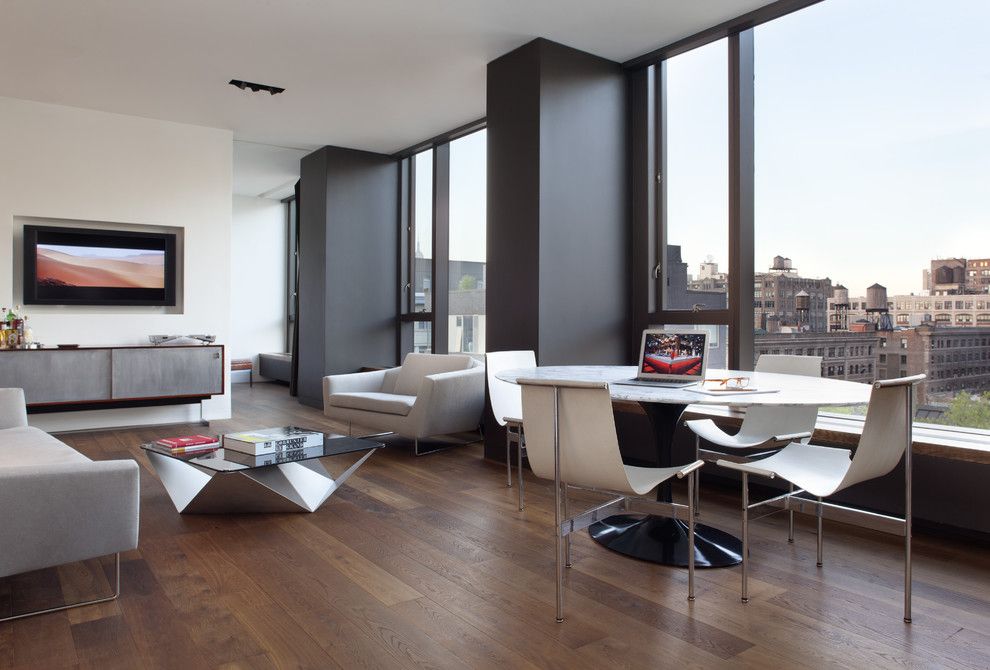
[583,214]
[558,232]
[512,300]
[362,282]
[349,283]
[312,277]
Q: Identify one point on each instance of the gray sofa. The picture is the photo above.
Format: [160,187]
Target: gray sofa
[59,506]
[428,395]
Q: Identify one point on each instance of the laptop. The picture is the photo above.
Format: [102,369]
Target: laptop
[669,359]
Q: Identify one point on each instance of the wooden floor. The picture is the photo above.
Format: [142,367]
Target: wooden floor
[426,562]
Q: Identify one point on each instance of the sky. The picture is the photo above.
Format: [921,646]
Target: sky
[872,141]
[98,252]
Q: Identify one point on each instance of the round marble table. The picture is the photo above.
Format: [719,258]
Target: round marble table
[660,539]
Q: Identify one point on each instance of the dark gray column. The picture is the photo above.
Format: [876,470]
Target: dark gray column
[558,223]
[349,282]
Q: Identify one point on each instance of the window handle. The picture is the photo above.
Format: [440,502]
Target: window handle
[657,271]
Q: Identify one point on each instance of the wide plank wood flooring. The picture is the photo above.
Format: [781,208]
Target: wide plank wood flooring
[426,563]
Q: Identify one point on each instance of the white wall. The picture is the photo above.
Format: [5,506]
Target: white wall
[258,279]
[67,163]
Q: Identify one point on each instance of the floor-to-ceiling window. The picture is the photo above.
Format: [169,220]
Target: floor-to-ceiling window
[693,180]
[853,182]
[871,193]
[443,307]
[421,297]
[466,275]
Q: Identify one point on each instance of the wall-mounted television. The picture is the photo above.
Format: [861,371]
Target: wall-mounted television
[86,266]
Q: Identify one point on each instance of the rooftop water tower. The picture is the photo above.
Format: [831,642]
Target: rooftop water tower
[839,316]
[876,305]
[802,303]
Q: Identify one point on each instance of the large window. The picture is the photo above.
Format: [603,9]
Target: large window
[466,276]
[841,152]
[695,180]
[444,306]
[870,166]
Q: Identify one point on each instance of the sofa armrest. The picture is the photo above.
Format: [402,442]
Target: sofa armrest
[13,411]
[357,382]
[56,514]
[449,402]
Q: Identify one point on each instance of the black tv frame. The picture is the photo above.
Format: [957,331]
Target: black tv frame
[98,295]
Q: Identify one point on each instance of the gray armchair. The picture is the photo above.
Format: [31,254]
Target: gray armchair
[59,506]
[428,395]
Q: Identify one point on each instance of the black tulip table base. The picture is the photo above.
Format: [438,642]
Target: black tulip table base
[663,540]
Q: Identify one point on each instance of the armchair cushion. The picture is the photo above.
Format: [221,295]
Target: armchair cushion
[415,367]
[384,403]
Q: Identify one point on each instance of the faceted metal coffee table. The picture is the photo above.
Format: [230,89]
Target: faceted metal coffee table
[294,481]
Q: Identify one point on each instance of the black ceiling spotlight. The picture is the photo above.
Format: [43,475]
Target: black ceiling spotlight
[257,88]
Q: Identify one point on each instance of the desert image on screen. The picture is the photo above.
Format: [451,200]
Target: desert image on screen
[105,267]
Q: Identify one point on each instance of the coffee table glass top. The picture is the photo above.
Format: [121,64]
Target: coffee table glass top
[228,460]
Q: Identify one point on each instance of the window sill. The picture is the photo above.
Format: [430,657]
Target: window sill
[970,445]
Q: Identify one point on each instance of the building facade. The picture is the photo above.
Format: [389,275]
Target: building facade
[954,359]
[845,355]
[911,311]
[774,299]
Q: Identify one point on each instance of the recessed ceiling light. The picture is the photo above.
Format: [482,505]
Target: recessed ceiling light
[257,88]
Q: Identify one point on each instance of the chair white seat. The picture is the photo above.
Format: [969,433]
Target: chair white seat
[644,480]
[383,403]
[817,470]
[708,431]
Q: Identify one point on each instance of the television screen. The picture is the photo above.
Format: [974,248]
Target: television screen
[98,267]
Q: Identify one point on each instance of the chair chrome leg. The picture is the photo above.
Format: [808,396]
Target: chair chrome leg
[821,540]
[508,458]
[745,537]
[116,594]
[567,540]
[907,507]
[519,451]
[558,545]
[692,489]
[790,517]
[697,493]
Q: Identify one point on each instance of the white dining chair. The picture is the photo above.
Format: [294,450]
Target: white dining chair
[824,471]
[571,439]
[763,429]
[506,402]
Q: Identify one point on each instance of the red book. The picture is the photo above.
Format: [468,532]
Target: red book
[188,442]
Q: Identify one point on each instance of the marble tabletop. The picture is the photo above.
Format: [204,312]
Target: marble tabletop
[788,390]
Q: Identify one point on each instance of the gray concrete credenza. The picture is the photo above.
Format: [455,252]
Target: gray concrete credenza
[59,380]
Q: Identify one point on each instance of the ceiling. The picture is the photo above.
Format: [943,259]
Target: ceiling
[377,75]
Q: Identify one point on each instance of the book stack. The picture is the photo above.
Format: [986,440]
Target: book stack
[188,444]
[272,440]
[274,458]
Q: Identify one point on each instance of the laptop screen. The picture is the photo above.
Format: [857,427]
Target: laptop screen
[673,354]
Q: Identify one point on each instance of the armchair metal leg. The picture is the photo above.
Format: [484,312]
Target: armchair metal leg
[745,537]
[821,540]
[790,516]
[116,594]
[692,490]
[558,544]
